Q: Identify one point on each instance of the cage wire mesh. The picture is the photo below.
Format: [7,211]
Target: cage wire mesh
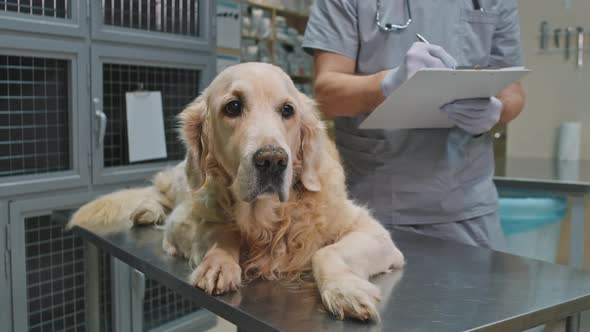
[35,138]
[105,293]
[179,17]
[162,305]
[56,279]
[34,115]
[178,87]
[55,276]
[47,8]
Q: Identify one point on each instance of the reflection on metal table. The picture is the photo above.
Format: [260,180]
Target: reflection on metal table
[445,286]
[571,178]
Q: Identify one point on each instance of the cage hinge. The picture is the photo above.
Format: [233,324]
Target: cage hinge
[6,265]
[89,156]
[7,246]
[88,78]
[88,4]
[7,243]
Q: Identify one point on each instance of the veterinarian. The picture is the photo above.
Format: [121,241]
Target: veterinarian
[435,182]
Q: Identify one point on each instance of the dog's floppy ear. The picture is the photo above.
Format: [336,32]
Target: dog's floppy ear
[312,144]
[193,134]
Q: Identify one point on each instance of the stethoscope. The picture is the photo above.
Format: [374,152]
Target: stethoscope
[393,27]
[396,27]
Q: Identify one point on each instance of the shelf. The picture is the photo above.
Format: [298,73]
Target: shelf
[258,39]
[229,51]
[261,5]
[294,20]
[292,14]
[279,10]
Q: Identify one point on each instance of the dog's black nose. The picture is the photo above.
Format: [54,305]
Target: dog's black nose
[271,159]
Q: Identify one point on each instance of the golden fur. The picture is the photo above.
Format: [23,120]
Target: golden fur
[228,233]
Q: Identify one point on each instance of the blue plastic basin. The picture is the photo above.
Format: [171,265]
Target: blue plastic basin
[524,214]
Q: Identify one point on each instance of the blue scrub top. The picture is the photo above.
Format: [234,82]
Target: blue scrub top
[417,176]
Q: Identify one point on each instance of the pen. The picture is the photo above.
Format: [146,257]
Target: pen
[422,39]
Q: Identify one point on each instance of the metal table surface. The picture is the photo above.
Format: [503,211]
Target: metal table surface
[571,178]
[444,287]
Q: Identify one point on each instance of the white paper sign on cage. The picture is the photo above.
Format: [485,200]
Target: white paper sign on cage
[145,126]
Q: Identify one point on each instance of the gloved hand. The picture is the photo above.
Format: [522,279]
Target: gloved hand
[419,56]
[475,116]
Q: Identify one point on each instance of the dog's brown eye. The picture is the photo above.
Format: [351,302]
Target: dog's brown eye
[287,111]
[233,109]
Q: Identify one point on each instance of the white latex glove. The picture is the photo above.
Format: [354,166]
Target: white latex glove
[419,56]
[475,116]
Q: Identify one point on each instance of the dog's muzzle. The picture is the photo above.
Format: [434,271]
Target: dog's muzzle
[270,163]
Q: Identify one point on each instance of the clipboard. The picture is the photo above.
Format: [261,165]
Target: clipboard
[416,103]
[146,136]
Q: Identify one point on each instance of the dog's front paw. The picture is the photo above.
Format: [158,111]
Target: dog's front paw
[169,248]
[350,296]
[397,259]
[217,274]
[149,212]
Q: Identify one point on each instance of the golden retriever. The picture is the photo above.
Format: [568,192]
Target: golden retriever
[261,194]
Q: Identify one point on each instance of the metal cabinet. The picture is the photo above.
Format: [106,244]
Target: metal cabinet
[5,278]
[184,24]
[60,283]
[49,17]
[119,69]
[124,58]
[65,66]
[155,307]
[44,116]
[47,266]
[159,24]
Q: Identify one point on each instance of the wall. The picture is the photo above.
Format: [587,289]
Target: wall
[556,91]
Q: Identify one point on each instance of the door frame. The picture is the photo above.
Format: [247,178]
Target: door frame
[77,54]
[75,26]
[19,211]
[5,270]
[103,53]
[205,41]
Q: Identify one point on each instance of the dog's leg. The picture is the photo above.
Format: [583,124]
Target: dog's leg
[180,231]
[219,270]
[121,210]
[150,210]
[342,269]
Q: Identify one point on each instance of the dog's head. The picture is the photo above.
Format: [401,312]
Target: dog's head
[252,125]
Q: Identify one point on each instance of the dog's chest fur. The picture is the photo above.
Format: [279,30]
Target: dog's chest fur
[279,239]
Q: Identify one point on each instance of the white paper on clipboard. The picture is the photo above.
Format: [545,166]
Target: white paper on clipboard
[416,104]
[145,126]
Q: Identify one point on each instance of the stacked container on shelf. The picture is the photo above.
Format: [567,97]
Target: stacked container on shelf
[289,53]
[299,6]
[256,35]
[283,46]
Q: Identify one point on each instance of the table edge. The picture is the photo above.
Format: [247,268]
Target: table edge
[199,297]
